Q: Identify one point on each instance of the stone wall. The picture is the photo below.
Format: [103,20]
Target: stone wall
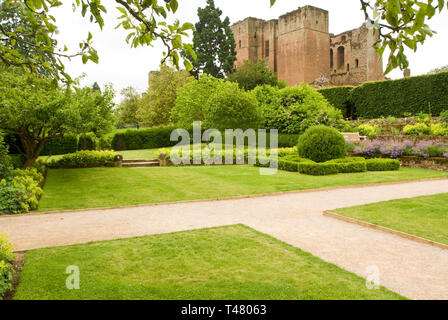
[298,47]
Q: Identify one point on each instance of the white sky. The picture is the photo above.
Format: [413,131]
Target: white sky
[123,66]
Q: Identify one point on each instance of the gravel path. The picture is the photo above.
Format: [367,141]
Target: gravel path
[415,270]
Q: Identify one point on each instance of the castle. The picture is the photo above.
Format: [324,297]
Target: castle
[298,47]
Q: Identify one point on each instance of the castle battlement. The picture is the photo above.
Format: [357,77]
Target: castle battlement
[298,47]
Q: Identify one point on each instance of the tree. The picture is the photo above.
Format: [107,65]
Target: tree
[156,104]
[127,110]
[253,74]
[144,20]
[400,24]
[39,109]
[438,70]
[214,43]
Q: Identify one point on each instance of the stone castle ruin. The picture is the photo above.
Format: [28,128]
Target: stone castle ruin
[298,47]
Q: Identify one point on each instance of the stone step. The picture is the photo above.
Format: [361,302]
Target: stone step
[145,164]
[140,160]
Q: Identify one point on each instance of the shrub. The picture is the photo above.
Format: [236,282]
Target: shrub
[444,116]
[5,161]
[350,165]
[295,158]
[21,193]
[295,109]
[286,165]
[340,98]
[151,138]
[84,159]
[439,129]
[383,165]
[287,140]
[6,268]
[61,145]
[17,160]
[232,108]
[318,169]
[321,144]
[419,129]
[87,142]
[435,151]
[105,143]
[369,130]
[253,74]
[428,93]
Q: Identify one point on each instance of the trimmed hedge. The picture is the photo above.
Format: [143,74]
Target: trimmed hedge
[350,165]
[427,93]
[61,145]
[286,165]
[143,139]
[340,98]
[383,165]
[318,169]
[87,142]
[82,159]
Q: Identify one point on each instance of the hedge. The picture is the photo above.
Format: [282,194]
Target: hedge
[408,96]
[383,165]
[143,139]
[340,98]
[83,159]
[318,169]
[286,165]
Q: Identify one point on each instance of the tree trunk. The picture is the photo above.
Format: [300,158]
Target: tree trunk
[32,149]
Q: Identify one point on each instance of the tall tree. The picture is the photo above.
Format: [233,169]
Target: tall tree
[127,110]
[214,43]
[156,104]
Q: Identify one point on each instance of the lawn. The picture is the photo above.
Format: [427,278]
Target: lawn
[109,187]
[426,217]
[233,262]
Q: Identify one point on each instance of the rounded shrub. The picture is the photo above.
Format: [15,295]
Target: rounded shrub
[322,144]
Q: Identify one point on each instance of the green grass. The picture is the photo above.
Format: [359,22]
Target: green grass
[140,154]
[233,262]
[426,217]
[109,187]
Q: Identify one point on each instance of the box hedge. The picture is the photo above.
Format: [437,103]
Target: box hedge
[318,169]
[340,97]
[383,165]
[408,96]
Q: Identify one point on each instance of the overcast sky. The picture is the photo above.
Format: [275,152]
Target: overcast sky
[123,66]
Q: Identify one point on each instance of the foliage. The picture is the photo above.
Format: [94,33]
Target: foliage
[318,169]
[295,109]
[419,129]
[6,268]
[444,116]
[156,104]
[253,74]
[439,129]
[143,139]
[232,108]
[369,130]
[287,165]
[321,144]
[340,98]
[438,70]
[5,161]
[68,143]
[38,110]
[192,100]
[427,93]
[214,43]
[145,22]
[21,193]
[383,165]
[83,159]
[126,112]
[87,141]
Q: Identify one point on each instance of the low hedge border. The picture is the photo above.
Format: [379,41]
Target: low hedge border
[383,165]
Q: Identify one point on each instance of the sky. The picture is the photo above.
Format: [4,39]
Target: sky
[123,66]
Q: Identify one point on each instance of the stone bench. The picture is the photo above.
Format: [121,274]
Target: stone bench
[353,137]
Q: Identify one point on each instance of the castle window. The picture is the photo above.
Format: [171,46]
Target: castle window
[240,44]
[341,57]
[266,48]
[331,59]
[344,38]
[357,63]
[348,67]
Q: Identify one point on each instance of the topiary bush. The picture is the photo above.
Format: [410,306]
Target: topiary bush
[383,165]
[322,144]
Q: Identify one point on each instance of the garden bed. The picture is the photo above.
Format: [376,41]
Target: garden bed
[440,164]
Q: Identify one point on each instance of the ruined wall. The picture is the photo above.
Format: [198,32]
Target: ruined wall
[299,47]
